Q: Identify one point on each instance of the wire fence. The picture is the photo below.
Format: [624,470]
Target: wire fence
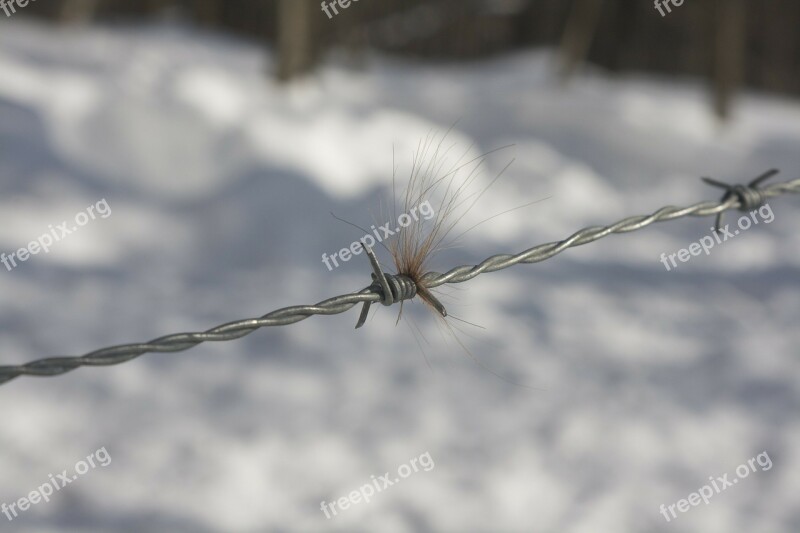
[389,289]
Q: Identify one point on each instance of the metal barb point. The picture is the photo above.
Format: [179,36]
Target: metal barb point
[378,273]
[749,196]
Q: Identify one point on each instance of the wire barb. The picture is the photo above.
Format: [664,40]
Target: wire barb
[750,196]
[388,288]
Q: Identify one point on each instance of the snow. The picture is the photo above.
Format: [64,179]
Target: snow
[641,383]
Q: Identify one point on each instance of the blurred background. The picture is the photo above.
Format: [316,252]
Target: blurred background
[222,135]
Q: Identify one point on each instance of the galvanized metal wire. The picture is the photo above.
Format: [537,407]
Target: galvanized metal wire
[741,197]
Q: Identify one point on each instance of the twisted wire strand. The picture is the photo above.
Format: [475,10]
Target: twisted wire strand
[113,355]
[546,251]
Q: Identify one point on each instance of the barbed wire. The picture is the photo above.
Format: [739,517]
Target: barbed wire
[388,288]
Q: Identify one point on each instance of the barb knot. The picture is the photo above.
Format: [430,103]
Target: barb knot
[391,287]
[749,196]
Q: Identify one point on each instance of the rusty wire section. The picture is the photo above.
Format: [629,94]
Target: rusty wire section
[741,197]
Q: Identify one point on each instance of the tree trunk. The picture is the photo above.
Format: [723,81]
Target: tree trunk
[578,35]
[78,11]
[729,51]
[295,52]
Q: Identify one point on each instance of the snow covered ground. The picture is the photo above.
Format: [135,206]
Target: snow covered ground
[643,383]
